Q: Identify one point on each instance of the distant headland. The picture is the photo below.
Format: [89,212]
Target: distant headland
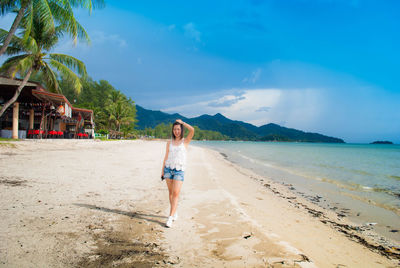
[381,142]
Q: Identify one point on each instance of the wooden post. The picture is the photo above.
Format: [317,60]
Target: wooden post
[41,123]
[45,126]
[15,121]
[31,118]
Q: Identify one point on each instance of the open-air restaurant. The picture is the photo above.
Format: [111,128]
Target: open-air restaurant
[39,114]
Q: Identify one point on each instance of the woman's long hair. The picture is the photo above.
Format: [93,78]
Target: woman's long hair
[182,130]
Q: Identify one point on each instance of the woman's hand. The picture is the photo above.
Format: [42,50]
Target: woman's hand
[190,128]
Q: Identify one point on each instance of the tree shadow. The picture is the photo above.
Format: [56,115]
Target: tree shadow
[146,217]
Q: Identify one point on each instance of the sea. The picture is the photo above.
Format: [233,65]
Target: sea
[358,181]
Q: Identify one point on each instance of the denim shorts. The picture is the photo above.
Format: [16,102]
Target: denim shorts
[174,174]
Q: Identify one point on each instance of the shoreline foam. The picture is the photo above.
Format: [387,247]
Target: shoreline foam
[328,195]
[359,233]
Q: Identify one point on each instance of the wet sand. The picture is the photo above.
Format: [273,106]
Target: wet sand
[68,203]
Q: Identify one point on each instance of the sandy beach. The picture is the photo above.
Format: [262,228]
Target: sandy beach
[85,203]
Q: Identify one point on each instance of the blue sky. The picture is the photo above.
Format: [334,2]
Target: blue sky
[327,66]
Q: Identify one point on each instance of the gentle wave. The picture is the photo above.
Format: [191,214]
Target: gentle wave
[394,209]
[361,188]
[352,186]
[351,170]
[393,177]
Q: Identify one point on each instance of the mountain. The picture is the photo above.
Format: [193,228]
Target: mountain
[150,119]
[234,129]
[293,134]
[237,130]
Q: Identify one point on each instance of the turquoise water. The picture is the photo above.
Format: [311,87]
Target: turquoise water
[362,177]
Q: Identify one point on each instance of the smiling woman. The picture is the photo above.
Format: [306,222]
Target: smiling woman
[173,169]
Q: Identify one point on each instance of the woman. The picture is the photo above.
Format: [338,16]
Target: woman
[173,169]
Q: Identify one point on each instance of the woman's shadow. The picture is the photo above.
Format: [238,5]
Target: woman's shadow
[146,217]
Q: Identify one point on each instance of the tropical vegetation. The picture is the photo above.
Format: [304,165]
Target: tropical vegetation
[41,24]
[163,131]
[32,57]
[52,13]
[113,110]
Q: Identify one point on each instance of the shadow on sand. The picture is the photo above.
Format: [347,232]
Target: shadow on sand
[137,215]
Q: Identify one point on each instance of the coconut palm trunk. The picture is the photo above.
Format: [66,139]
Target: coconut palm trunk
[14,27]
[17,92]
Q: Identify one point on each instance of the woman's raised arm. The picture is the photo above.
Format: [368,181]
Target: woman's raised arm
[191,131]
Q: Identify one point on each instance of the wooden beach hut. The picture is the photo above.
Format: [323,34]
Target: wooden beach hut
[38,113]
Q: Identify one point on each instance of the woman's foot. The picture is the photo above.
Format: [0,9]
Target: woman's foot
[175,217]
[169,221]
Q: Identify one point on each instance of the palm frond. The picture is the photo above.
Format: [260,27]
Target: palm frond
[7,6]
[46,18]
[3,36]
[30,45]
[88,4]
[24,65]
[49,78]
[64,16]
[67,74]
[82,34]
[27,22]
[11,64]
[18,64]
[16,45]
[49,40]
[13,50]
[70,62]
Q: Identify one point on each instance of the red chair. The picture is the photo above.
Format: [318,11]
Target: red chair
[35,133]
[52,134]
[60,134]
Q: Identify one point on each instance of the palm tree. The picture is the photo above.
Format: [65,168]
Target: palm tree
[120,110]
[32,57]
[52,11]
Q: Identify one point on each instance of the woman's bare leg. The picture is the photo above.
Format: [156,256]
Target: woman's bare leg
[174,188]
[169,185]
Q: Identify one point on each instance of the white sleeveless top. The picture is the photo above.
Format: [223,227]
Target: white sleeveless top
[176,156]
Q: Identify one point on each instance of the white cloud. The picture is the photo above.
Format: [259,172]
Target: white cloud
[100,38]
[253,78]
[226,101]
[192,32]
[297,108]
[263,109]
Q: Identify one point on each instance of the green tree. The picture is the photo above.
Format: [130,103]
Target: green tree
[121,111]
[52,12]
[33,57]
[163,131]
[112,109]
